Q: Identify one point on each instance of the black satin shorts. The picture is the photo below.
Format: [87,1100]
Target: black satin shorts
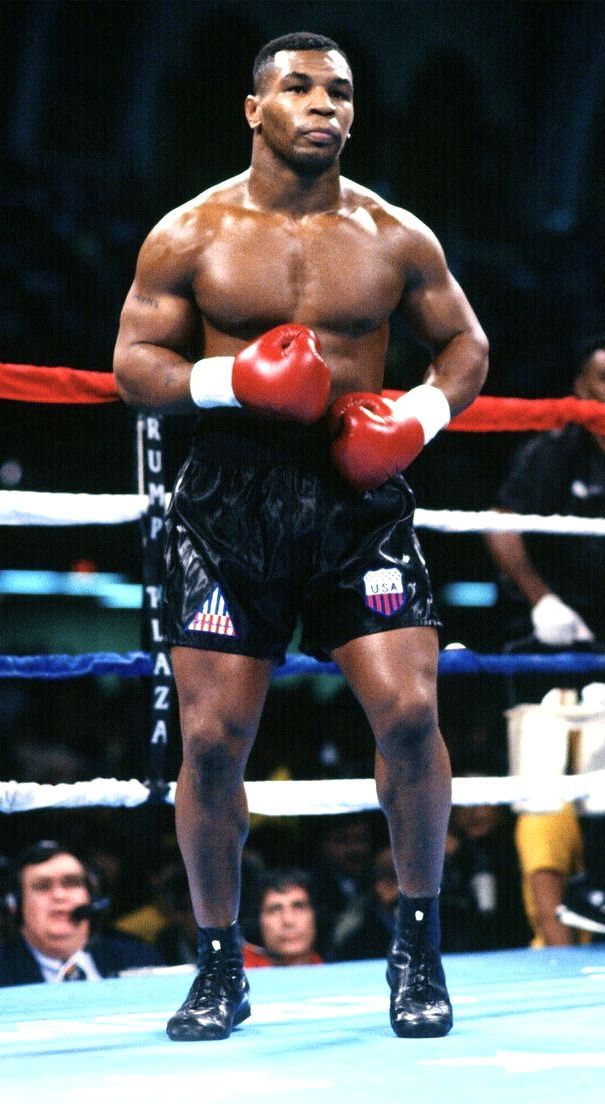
[263,536]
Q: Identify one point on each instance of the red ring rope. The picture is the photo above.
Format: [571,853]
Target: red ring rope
[488,414]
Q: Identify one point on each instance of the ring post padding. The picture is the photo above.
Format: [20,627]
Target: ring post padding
[150,467]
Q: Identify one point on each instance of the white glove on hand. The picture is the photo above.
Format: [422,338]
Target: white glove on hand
[556,624]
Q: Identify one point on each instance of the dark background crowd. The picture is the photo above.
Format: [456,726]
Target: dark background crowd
[487,120]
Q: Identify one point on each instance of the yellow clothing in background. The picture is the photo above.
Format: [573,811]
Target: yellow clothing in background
[547,841]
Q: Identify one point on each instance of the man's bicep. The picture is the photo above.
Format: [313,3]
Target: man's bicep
[435,308]
[154,317]
[153,351]
[160,327]
[159,308]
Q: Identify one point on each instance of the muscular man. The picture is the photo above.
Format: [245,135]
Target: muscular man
[292,502]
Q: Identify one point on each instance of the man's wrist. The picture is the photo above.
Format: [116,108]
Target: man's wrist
[428,405]
[210,382]
[545,594]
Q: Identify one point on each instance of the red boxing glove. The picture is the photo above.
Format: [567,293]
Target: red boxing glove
[283,374]
[373,439]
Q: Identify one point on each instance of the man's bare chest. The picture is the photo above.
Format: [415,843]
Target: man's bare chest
[337,277]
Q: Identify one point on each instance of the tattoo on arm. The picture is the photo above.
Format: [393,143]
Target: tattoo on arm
[147,301]
[169,378]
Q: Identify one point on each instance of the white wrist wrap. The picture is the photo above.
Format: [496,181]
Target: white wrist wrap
[428,405]
[210,382]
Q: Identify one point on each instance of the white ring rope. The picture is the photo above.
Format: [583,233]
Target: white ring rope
[291,798]
[62,508]
[309,798]
[476,521]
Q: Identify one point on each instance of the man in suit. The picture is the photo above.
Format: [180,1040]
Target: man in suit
[53,902]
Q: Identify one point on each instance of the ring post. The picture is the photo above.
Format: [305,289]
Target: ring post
[150,468]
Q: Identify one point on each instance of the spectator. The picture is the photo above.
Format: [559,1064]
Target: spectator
[480,900]
[287,922]
[177,939]
[53,903]
[480,903]
[343,870]
[149,918]
[162,917]
[553,587]
[550,850]
[365,928]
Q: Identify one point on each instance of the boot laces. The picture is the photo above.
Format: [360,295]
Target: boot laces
[412,955]
[216,977]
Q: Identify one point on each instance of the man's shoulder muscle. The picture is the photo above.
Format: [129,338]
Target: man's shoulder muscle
[357,194]
[417,246]
[205,206]
[175,242]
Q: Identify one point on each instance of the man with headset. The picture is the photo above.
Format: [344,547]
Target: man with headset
[52,899]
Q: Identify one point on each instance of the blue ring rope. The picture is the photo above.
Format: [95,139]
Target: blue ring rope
[455,662]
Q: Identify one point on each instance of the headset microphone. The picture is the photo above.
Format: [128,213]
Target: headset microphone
[86,912]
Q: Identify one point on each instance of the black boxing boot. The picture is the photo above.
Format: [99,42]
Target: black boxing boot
[420,1005]
[218,998]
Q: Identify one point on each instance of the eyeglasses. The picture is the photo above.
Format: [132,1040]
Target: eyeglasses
[67,881]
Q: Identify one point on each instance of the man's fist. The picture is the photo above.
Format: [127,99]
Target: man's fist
[284,374]
[556,624]
[281,374]
[368,444]
[374,438]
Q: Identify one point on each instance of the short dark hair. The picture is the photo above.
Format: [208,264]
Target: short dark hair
[278,881]
[299,40]
[42,852]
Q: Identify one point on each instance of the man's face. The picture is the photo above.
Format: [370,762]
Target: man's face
[347,847]
[287,923]
[476,821]
[591,382]
[50,891]
[304,107]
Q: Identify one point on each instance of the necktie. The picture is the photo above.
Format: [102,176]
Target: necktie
[74,973]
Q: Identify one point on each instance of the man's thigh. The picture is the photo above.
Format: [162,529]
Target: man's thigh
[220,688]
[371,576]
[381,666]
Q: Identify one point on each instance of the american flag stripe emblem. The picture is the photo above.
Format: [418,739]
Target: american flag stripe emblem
[384,591]
[387,604]
[213,616]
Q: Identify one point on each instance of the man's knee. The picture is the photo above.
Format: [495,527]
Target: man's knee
[217,754]
[406,724]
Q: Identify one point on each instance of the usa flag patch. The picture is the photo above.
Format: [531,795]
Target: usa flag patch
[384,591]
[213,616]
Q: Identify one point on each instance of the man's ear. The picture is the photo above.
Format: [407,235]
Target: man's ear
[252,110]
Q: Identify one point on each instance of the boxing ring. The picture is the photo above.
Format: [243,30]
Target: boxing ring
[528,1024]
[528,1027]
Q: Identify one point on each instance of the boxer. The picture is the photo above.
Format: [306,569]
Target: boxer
[265,303]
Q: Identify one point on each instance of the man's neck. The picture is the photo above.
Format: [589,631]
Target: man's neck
[275,186]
